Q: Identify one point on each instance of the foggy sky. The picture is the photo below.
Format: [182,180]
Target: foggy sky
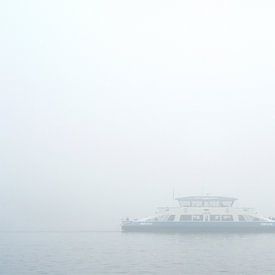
[106,106]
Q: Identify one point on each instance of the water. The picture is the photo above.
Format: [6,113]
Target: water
[135,253]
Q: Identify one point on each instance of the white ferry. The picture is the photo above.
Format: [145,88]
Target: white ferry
[202,214]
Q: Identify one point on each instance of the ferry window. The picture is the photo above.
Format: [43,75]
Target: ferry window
[227,218]
[226,203]
[198,218]
[185,218]
[215,218]
[197,203]
[213,204]
[185,203]
[171,218]
[249,218]
[241,218]
[254,219]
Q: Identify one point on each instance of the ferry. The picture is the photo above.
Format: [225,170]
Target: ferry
[202,214]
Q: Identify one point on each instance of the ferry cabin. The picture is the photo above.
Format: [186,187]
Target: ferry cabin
[206,209]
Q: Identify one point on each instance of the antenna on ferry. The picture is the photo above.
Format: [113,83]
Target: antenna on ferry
[173,193]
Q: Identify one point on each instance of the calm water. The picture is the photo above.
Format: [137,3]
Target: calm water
[135,253]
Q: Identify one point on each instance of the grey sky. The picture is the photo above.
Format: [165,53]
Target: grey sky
[106,106]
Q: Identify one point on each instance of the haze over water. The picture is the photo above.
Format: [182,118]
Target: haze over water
[106,107]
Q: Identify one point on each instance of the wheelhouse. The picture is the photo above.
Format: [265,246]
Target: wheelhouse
[206,201]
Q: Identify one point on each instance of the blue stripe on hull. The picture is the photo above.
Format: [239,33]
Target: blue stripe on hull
[193,227]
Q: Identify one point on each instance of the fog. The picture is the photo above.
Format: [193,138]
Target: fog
[106,107]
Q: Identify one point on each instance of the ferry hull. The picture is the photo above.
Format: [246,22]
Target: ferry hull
[199,227]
